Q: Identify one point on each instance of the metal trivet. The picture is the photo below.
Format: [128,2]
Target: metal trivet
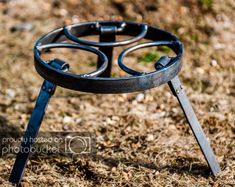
[56,72]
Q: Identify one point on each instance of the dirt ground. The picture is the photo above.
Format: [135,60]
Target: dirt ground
[143,138]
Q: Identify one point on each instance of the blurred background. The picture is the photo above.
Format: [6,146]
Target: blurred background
[142,138]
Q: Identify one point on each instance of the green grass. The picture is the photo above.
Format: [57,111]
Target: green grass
[149,57]
[92,63]
[164,49]
[206,3]
[194,37]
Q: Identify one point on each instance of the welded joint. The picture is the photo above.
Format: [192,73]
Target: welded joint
[162,62]
[57,64]
[110,29]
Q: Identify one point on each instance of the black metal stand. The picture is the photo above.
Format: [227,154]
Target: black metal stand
[99,81]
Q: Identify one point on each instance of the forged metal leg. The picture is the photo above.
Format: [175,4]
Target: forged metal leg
[107,34]
[178,91]
[34,124]
[47,90]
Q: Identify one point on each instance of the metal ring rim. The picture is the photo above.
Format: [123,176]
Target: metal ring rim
[110,85]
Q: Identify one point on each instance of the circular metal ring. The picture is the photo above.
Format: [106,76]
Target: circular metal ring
[121,28]
[42,65]
[110,85]
[144,45]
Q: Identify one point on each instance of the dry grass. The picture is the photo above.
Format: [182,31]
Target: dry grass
[140,143]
